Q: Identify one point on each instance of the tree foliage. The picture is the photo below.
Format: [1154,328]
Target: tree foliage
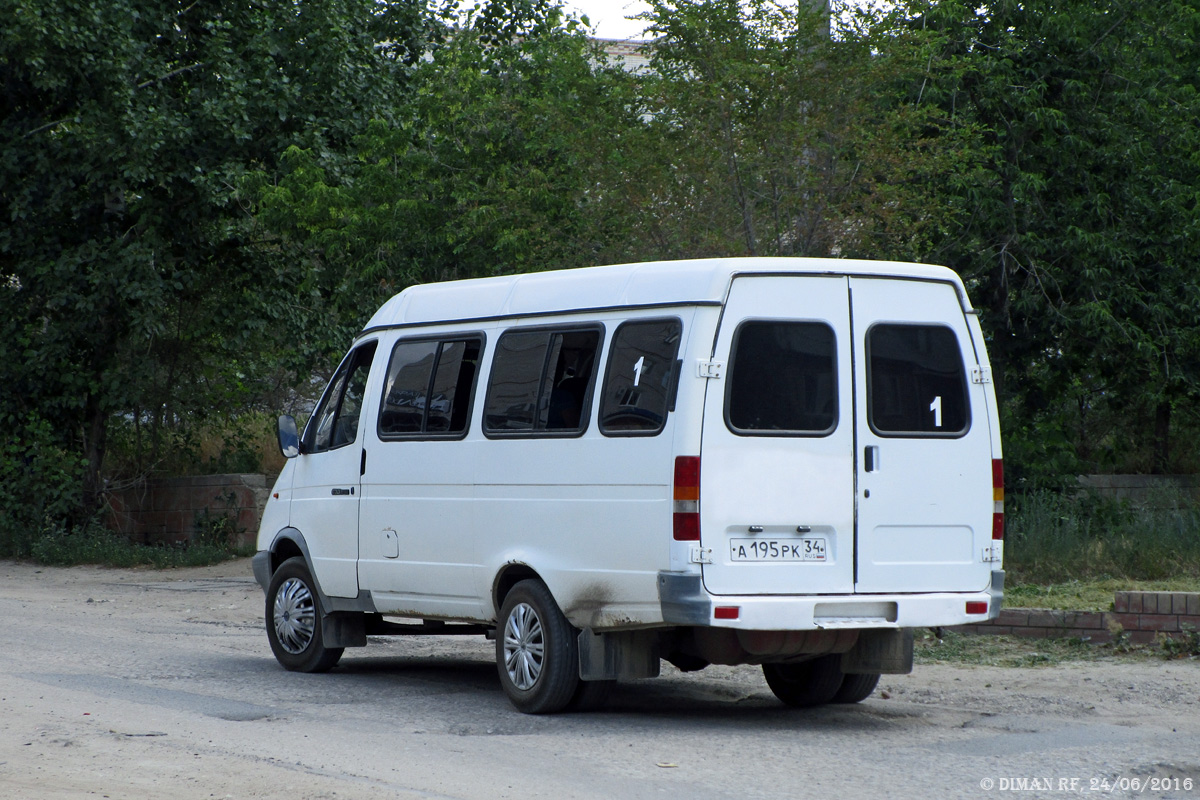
[774,139]
[203,201]
[126,127]
[1083,236]
[490,167]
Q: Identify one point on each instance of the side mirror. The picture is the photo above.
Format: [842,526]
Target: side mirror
[289,437]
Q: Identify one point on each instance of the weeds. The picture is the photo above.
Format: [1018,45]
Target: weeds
[1057,537]
[96,545]
[990,650]
[1185,644]
[1095,594]
[1000,651]
[218,530]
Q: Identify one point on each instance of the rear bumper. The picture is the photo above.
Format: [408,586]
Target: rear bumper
[686,602]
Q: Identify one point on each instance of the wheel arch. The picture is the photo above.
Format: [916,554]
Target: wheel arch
[506,578]
[288,543]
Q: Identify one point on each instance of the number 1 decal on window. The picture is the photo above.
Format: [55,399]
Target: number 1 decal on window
[637,370]
[936,408]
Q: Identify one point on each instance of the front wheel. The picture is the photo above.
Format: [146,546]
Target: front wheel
[809,683]
[294,620]
[537,655]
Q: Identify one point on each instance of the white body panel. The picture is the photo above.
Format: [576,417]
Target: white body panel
[433,523]
[779,483]
[920,527]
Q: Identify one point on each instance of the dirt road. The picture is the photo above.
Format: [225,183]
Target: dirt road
[141,684]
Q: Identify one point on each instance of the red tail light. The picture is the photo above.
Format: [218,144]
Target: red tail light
[687,499]
[998,499]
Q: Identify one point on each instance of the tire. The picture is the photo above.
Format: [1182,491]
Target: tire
[537,655]
[809,683]
[293,617]
[856,688]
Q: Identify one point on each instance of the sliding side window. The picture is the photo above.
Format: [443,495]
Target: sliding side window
[428,388]
[541,382]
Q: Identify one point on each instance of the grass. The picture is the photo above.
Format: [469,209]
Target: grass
[100,546]
[1058,538]
[1013,651]
[1088,595]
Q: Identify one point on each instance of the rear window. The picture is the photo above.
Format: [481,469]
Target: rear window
[541,382]
[782,379]
[640,378]
[916,382]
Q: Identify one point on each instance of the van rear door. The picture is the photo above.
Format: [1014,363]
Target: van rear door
[924,441]
[777,463]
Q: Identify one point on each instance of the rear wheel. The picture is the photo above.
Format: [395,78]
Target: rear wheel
[856,688]
[294,620]
[809,683]
[537,655]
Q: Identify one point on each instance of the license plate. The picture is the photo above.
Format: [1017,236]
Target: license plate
[812,549]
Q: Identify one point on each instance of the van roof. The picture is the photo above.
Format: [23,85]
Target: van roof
[655,283]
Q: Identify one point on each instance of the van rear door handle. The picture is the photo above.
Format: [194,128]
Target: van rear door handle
[871,458]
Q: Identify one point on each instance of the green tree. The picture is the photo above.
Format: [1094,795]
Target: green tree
[776,139]
[1083,238]
[133,287]
[496,164]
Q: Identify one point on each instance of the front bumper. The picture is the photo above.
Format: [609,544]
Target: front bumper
[261,564]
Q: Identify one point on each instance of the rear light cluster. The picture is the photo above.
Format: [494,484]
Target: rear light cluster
[998,499]
[687,499]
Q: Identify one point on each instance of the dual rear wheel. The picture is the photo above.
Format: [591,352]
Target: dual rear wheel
[818,681]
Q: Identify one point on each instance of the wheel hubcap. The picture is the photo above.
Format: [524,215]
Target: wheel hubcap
[295,616]
[524,647]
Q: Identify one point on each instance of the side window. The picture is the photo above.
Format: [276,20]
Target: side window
[916,382]
[541,381]
[782,379]
[335,422]
[428,388]
[638,381]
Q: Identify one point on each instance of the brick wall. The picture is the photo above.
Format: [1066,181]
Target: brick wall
[1143,615]
[166,510]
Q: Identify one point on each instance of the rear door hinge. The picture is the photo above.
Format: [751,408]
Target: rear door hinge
[991,555]
[710,369]
[981,375]
[700,555]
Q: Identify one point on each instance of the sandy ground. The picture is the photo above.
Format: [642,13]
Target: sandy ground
[143,684]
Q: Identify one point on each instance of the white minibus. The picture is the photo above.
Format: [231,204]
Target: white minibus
[787,462]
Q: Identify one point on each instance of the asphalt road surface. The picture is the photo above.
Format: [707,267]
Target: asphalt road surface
[142,684]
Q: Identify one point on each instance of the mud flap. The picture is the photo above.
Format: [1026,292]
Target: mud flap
[344,629]
[884,652]
[618,656]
